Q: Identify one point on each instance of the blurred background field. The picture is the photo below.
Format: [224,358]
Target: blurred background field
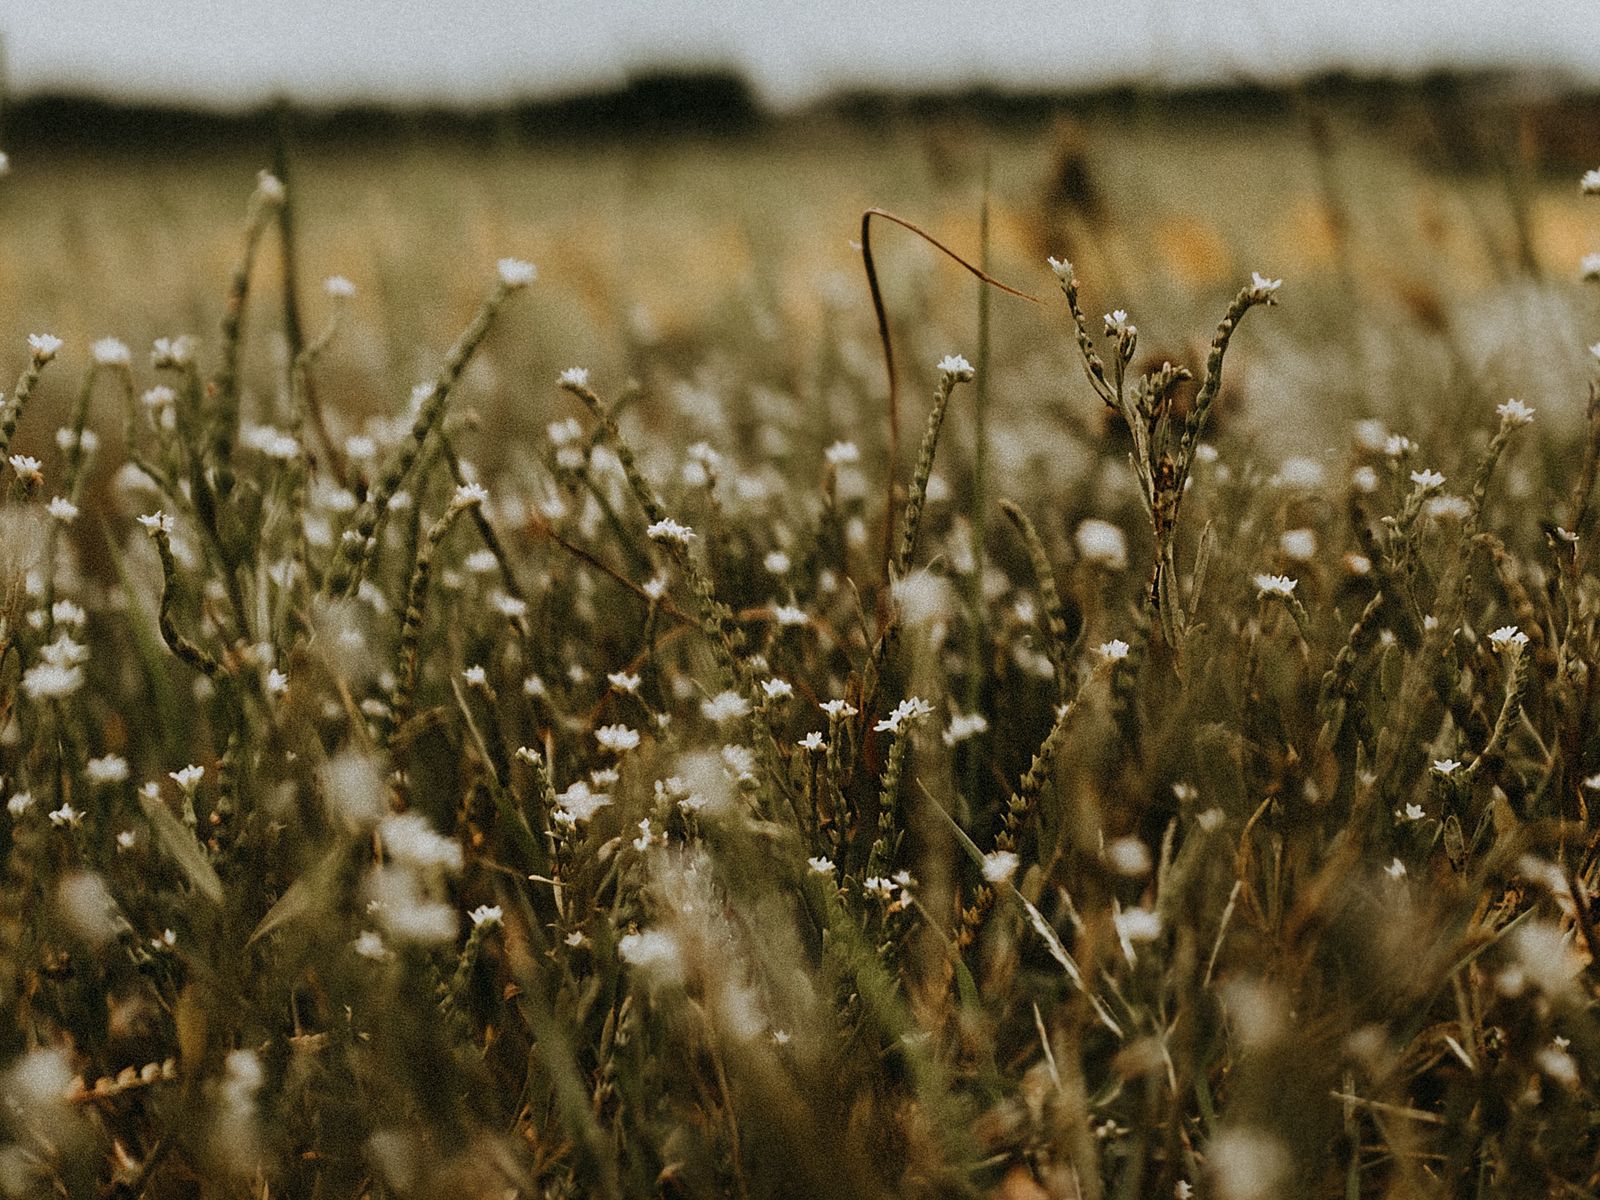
[677,211]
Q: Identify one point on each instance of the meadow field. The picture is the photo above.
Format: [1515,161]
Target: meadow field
[534,667]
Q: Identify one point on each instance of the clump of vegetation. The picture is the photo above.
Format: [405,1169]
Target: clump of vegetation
[713,820]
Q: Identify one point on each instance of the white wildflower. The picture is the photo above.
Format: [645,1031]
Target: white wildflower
[43,346]
[486,914]
[624,682]
[1514,412]
[1298,545]
[370,945]
[475,676]
[18,803]
[956,367]
[811,741]
[838,708]
[189,777]
[668,530]
[515,273]
[842,454]
[1589,184]
[820,865]
[1446,766]
[1128,856]
[109,352]
[411,841]
[469,494]
[963,726]
[1427,480]
[1113,651]
[1061,267]
[999,866]
[616,738]
[912,708]
[109,768]
[1506,637]
[1262,289]
[48,682]
[777,689]
[157,522]
[1395,870]
[789,615]
[576,377]
[1101,543]
[1275,585]
[63,510]
[725,706]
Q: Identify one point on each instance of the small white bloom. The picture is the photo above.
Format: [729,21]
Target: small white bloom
[877,885]
[1395,870]
[187,778]
[339,287]
[475,676]
[269,187]
[50,682]
[576,377]
[1413,812]
[157,522]
[668,530]
[811,741]
[624,682]
[1364,479]
[1589,266]
[821,865]
[515,273]
[1117,323]
[911,709]
[1129,856]
[169,352]
[109,352]
[19,803]
[616,738]
[842,454]
[43,346]
[1262,289]
[63,510]
[789,614]
[777,689]
[838,708]
[469,494]
[1514,412]
[1138,924]
[725,706]
[956,367]
[1061,267]
[1589,184]
[110,768]
[1446,766]
[1113,651]
[1427,480]
[1275,585]
[370,945]
[999,866]
[1508,636]
[66,815]
[777,562]
[1102,543]
[579,802]
[963,726]
[1298,545]
[486,914]
[277,682]
[26,466]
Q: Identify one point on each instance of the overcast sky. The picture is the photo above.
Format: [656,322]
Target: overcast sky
[233,52]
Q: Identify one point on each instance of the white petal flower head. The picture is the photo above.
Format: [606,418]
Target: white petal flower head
[1113,651]
[1589,267]
[963,726]
[1061,268]
[1427,480]
[1102,543]
[515,273]
[909,710]
[1589,185]
[820,865]
[43,346]
[1446,766]
[624,682]
[1514,412]
[63,510]
[109,352]
[48,681]
[575,377]
[1117,323]
[1138,924]
[777,689]
[668,530]
[157,522]
[789,615]
[1300,545]
[1508,637]
[955,366]
[370,945]
[26,466]
[168,352]
[999,866]
[1395,870]
[110,768]
[269,187]
[469,494]
[616,738]
[1275,585]
[338,287]
[189,777]
[812,741]
[486,914]
[1414,812]
[1262,289]
[838,708]
[724,707]
[842,454]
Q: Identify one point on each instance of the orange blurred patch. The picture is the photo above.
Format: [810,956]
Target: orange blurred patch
[1562,231]
[1193,249]
[1306,235]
